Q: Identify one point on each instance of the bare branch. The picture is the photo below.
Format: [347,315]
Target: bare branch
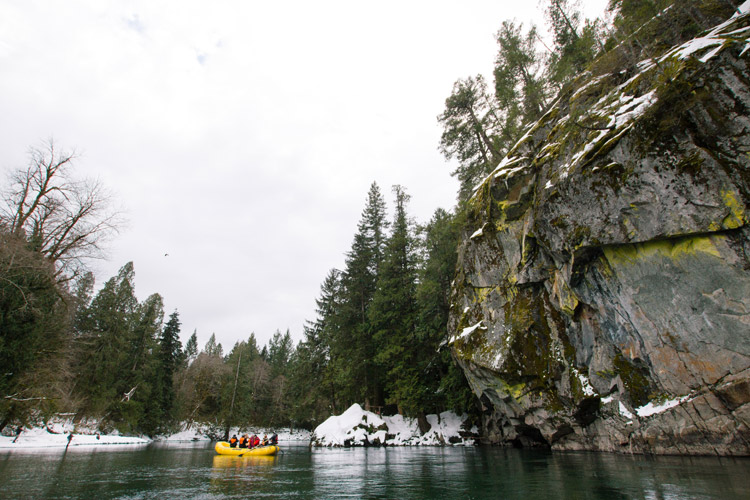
[20,290]
[65,220]
[13,397]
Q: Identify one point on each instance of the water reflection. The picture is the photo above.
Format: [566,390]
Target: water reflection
[232,474]
[485,473]
[387,473]
[229,462]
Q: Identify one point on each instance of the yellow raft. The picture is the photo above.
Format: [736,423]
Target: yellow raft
[223,448]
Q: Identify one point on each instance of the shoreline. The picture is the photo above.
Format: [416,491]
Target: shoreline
[55,437]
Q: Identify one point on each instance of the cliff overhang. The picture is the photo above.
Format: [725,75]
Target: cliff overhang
[602,295]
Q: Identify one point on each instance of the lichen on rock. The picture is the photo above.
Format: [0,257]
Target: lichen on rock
[602,296]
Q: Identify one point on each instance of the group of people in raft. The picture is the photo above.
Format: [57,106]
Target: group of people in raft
[252,441]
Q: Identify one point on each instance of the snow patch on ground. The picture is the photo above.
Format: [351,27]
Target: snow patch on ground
[358,427]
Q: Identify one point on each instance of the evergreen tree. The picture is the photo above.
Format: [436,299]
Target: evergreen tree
[146,326]
[280,349]
[212,348]
[576,42]
[141,409]
[312,384]
[307,385]
[240,401]
[442,385]
[353,350]
[470,132]
[103,350]
[34,331]
[116,346]
[170,357]
[393,311]
[191,348]
[374,225]
[520,89]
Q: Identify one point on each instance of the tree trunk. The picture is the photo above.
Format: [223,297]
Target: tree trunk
[424,425]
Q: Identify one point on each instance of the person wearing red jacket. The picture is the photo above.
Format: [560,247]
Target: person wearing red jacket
[254,441]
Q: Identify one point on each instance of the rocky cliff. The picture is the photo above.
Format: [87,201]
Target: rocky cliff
[602,298]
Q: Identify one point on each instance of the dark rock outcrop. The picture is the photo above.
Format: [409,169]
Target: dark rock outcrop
[602,299]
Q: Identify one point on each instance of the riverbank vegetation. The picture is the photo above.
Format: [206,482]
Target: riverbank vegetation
[108,356]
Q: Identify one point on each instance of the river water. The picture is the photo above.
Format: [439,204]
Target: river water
[165,471]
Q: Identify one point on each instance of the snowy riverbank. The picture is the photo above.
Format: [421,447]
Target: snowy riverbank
[357,427]
[42,438]
[55,434]
[199,432]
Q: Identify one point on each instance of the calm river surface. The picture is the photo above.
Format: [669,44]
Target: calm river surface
[194,471]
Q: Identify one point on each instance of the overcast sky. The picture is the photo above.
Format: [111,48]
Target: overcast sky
[241,137]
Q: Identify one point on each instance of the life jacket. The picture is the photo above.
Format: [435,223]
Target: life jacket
[274,439]
[243,442]
[256,440]
[233,442]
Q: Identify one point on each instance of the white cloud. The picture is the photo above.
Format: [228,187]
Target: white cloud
[242,136]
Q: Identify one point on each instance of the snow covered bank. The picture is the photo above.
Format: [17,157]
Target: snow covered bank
[206,432]
[54,435]
[42,438]
[357,427]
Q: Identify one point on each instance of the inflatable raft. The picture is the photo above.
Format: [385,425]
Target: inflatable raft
[223,448]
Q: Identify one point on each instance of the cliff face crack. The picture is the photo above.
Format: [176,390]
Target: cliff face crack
[620,261]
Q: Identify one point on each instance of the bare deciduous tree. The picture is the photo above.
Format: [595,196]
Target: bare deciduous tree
[65,219]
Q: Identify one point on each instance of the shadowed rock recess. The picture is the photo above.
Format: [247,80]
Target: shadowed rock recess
[602,296]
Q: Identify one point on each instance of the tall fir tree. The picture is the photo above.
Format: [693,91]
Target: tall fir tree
[353,349]
[102,341]
[140,409]
[280,349]
[393,311]
[170,357]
